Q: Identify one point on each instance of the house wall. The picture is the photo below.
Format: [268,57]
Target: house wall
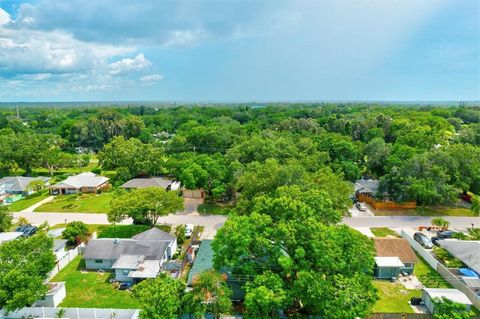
[386,272]
[121,276]
[106,264]
[172,248]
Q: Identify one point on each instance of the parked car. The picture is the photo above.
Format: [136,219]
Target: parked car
[423,240]
[445,234]
[124,286]
[188,230]
[27,230]
[361,206]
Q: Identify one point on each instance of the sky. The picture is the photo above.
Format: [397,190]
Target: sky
[239,50]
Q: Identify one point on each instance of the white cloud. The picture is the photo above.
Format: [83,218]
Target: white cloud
[185,38]
[4,17]
[128,65]
[151,78]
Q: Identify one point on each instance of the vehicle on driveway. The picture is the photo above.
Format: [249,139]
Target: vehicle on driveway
[361,206]
[423,240]
[445,234]
[188,230]
[27,230]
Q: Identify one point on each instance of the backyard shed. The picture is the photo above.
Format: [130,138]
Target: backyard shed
[431,295]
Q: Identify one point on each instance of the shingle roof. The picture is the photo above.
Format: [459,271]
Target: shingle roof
[468,251]
[367,186]
[59,243]
[395,247]
[19,183]
[112,249]
[203,260]
[147,182]
[86,179]
[154,234]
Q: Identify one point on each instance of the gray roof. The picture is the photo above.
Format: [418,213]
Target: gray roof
[367,186]
[86,179]
[468,251]
[147,182]
[19,183]
[154,234]
[59,244]
[471,282]
[112,249]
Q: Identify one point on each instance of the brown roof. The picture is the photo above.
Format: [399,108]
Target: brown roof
[395,247]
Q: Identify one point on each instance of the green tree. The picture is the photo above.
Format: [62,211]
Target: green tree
[440,222]
[24,267]
[447,309]
[5,219]
[265,296]
[160,298]
[145,205]
[475,205]
[210,294]
[75,232]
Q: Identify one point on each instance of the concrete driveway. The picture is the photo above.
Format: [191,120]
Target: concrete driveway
[355,212]
[408,221]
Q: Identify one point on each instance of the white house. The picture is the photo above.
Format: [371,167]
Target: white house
[86,182]
[133,259]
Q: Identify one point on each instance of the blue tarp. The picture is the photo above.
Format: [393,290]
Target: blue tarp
[467,272]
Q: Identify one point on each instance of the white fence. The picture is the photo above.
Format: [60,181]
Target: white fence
[72,313]
[420,250]
[443,271]
[66,259]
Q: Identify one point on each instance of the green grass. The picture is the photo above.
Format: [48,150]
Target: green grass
[84,203]
[394,297]
[90,289]
[214,209]
[427,211]
[383,232]
[429,276]
[28,201]
[125,231]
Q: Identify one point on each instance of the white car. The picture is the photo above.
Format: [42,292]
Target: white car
[361,206]
[188,230]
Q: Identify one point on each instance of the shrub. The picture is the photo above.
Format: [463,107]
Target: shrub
[75,233]
[180,234]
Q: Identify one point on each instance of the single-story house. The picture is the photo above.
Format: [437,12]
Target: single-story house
[164,183]
[465,250]
[55,295]
[394,256]
[431,295]
[8,236]
[366,187]
[134,259]
[86,182]
[18,185]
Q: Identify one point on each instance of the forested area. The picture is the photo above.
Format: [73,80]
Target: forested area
[427,154]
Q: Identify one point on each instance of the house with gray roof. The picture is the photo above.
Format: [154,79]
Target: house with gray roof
[161,182]
[133,259]
[19,184]
[86,182]
[367,187]
[468,251]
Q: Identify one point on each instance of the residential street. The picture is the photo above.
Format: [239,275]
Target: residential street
[408,221]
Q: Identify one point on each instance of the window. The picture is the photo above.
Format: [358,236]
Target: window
[98,261]
[125,272]
[408,265]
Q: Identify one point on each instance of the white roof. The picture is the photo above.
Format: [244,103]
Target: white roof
[465,250]
[147,269]
[7,236]
[128,262]
[87,179]
[388,262]
[454,295]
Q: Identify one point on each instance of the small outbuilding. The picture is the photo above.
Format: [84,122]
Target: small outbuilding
[394,256]
[431,296]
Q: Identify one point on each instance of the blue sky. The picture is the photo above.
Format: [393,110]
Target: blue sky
[249,50]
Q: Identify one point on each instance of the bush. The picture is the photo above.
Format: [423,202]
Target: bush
[447,259]
[75,233]
[180,234]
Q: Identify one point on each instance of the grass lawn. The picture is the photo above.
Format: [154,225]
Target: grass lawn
[214,209]
[394,297]
[426,211]
[90,289]
[28,201]
[383,232]
[84,203]
[429,276]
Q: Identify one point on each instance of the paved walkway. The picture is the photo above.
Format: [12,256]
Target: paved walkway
[408,221]
[40,203]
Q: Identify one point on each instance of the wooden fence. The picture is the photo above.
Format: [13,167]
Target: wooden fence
[386,204]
